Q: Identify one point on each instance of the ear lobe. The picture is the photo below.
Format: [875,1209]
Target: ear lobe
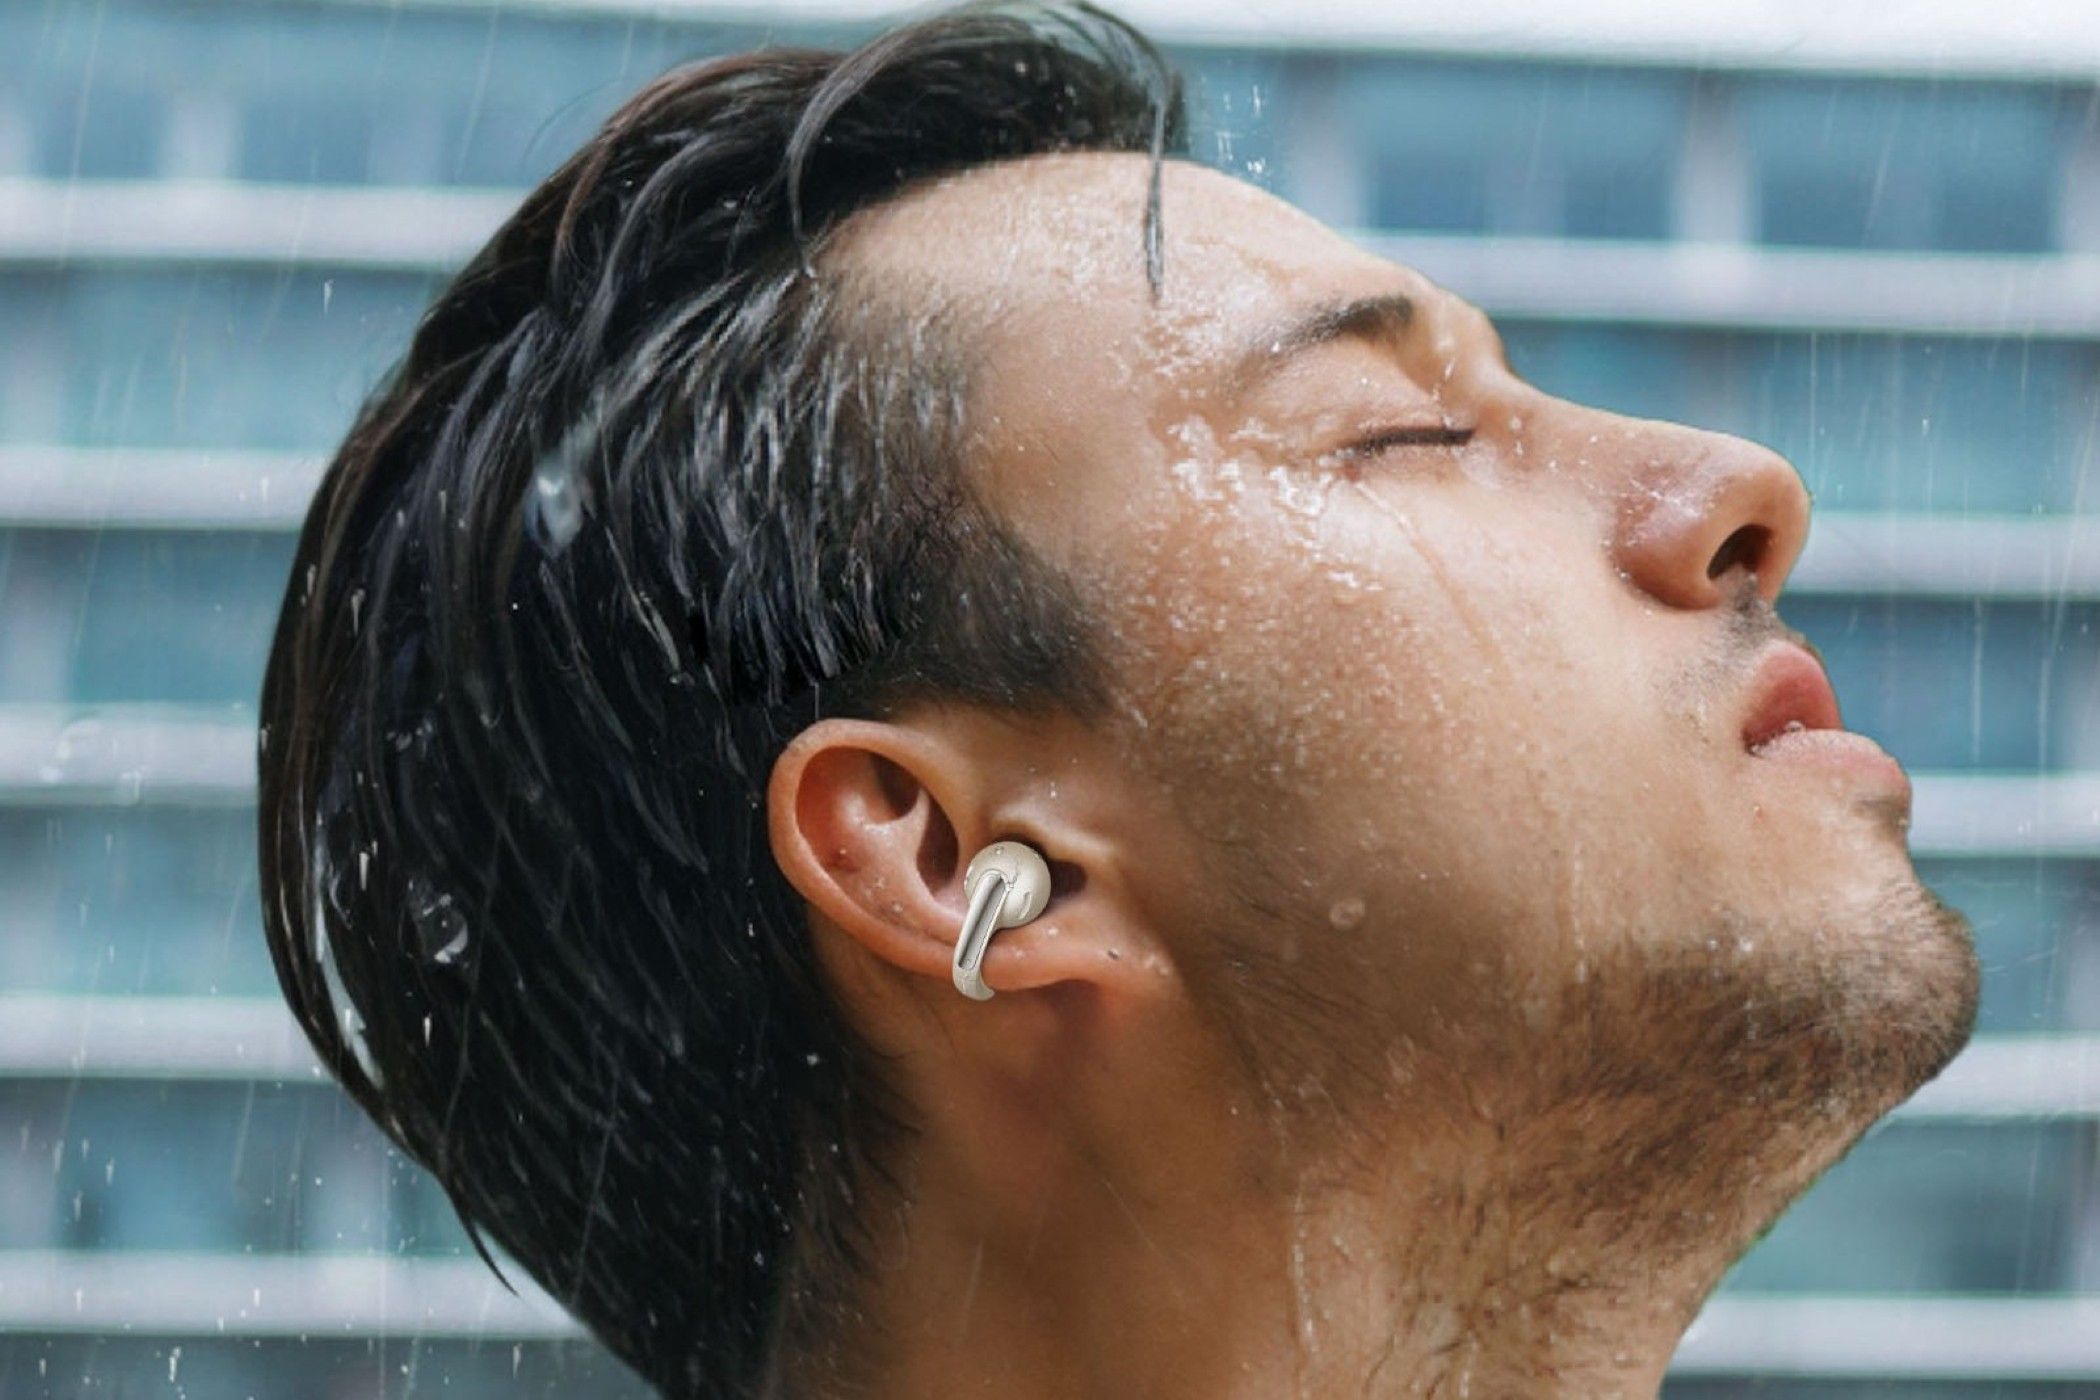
[864,819]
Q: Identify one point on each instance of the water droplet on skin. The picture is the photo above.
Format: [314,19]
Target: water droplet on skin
[1346,913]
[1295,493]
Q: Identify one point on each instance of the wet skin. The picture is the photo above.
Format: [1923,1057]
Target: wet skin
[1448,981]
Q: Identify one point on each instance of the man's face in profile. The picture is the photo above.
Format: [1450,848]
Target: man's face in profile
[1489,752]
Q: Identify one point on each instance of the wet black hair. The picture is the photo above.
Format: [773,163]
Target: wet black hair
[656,486]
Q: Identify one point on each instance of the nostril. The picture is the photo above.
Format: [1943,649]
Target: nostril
[1744,549]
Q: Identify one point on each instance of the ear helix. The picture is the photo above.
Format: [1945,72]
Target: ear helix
[1008,883]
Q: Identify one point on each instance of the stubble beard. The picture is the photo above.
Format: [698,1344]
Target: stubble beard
[1705,1083]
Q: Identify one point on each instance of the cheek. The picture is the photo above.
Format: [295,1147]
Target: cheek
[1436,702]
[1472,643]
[1318,638]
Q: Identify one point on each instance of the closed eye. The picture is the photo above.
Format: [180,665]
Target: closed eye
[1415,436]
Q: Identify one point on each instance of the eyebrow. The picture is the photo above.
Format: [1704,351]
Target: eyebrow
[1379,319]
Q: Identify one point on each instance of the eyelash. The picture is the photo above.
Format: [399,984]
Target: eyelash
[1408,437]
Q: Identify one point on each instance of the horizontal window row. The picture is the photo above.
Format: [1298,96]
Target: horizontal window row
[225,358]
[187,358]
[91,617]
[297,1368]
[1927,1208]
[1914,1208]
[328,96]
[162,901]
[1991,556]
[403,1363]
[1583,152]
[1433,143]
[255,1039]
[1716,285]
[1957,683]
[258,1168]
[1871,422]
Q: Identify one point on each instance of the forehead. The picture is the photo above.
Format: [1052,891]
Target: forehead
[1042,258]
[1090,405]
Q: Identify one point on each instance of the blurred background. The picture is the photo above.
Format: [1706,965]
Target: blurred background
[1875,247]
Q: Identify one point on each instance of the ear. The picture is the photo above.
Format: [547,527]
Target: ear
[875,824]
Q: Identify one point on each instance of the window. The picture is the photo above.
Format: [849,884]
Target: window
[1860,163]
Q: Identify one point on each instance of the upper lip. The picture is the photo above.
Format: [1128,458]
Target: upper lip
[1788,689]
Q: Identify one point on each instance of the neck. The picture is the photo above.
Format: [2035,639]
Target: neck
[1563,1252]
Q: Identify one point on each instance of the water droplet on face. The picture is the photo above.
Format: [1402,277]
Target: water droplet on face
[1346,913]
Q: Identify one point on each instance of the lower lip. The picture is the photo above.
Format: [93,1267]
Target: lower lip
[1840,749]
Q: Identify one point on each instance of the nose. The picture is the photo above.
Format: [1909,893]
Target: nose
[1699,509]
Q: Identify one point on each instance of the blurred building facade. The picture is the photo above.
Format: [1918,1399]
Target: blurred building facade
[219,220]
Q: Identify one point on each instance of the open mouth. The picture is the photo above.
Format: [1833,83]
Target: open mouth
[1789,694]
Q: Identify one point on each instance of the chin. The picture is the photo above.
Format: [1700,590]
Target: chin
[1926,951]
[1830,1011]
[1870,1002]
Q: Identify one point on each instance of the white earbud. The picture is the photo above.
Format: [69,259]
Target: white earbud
[1008,883]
